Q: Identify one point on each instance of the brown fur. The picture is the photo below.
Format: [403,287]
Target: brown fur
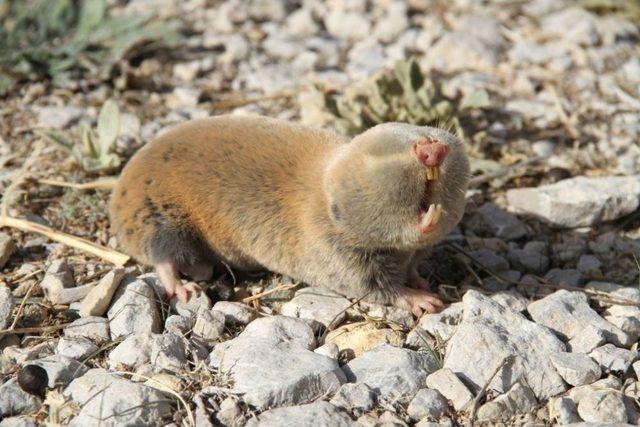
[262,193]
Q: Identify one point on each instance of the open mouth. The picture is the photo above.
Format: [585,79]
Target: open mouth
[430,213]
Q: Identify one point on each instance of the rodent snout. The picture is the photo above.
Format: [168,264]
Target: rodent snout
[430,152]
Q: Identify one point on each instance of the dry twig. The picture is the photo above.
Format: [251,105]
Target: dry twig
[100,184]
[34,329]
[24,301]
[270,291]
[239,102]
[107,254]
[483,390]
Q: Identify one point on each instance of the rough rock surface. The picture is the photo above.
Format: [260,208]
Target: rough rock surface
[487,334]
[235,313]
[313,414]
[603,406]
[427,404]
[57,279]
[518,400]
[209,324]
[116,401]
[398,380]
[93,328]
[133,310]
[491,219]
[357,397]
[98,299]
[6,306]
[450,386]
[612,358]
[76,348]
[132,352]
[15,401]
[568,313]
[575,368]
[272,364]
[439,325]
[7,247]
[317,304]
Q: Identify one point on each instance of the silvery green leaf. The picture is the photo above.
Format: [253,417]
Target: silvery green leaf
[57,139]
[91,14]
[88,141]
[108,126]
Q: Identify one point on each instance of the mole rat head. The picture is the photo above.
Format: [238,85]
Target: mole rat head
[397,186]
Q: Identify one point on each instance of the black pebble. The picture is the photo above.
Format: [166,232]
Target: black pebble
[33,379]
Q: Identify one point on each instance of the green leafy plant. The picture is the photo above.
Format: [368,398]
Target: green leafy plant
[404,94]
[65,39]
[97,150]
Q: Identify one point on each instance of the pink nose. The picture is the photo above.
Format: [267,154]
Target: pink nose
[430,152]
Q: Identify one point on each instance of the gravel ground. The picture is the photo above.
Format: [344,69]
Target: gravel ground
[542,275]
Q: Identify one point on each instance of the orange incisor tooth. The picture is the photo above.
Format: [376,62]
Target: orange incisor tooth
[427,220]
[437,214]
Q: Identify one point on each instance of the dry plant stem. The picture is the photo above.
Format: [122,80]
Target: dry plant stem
[234,103]
[34,330]
[332,324]
[24,301]
[270,291]
[483,390]
[482,179]
[100,184]
[28,276]
[114,257]
[604,297]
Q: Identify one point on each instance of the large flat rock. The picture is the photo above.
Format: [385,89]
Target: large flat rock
[568,314]
[580,201]
[109,400]
[272,364]
[487,334]
[395,373]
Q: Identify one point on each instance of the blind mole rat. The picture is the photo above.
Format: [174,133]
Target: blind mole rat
[253,192]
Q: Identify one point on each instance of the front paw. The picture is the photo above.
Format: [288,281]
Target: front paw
[418,301]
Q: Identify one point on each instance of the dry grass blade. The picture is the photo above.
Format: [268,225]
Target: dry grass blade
[22,304]
[483,390]
[240,102]
[100,184]
[34,329]
[117,258]
[269,292]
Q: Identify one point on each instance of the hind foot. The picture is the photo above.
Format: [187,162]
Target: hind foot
[418,301]
[170,279]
